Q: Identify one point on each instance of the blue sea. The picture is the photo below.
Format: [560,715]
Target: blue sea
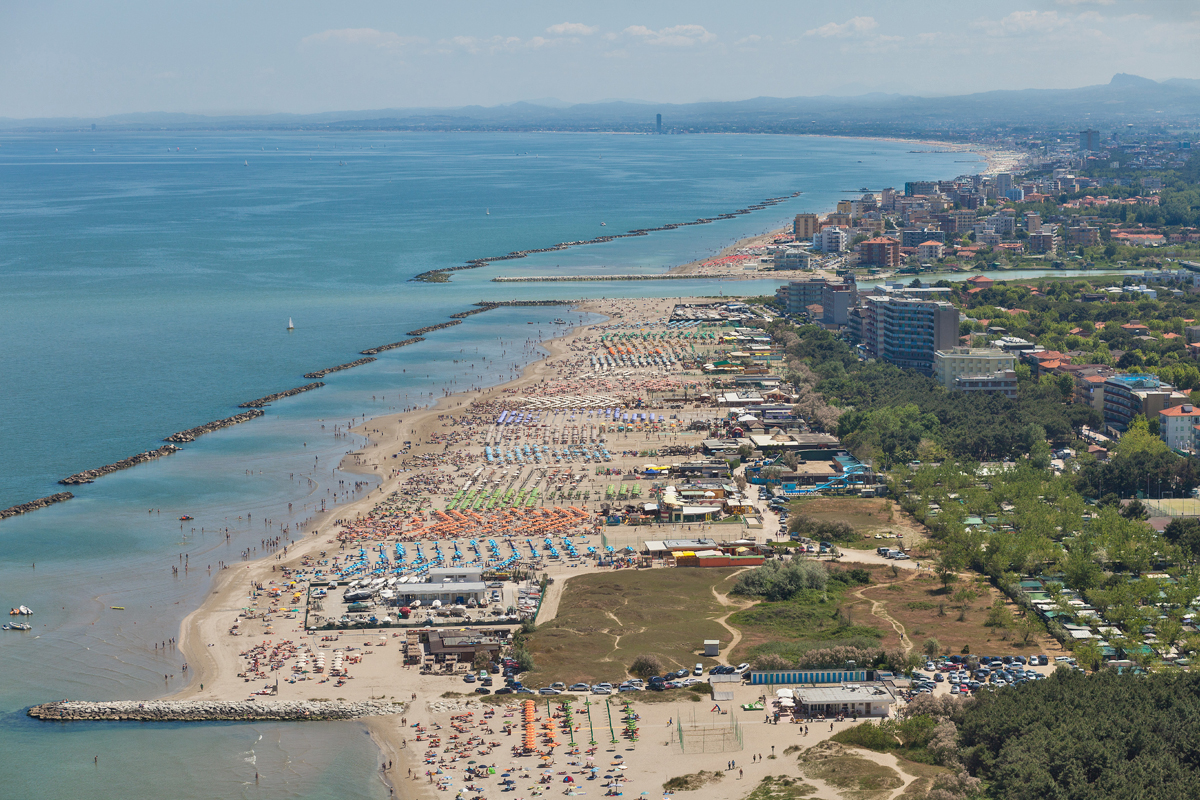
[147,283]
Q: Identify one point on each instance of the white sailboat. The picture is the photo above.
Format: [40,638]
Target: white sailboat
[290,325]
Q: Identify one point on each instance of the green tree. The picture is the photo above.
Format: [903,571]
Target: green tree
[998,615]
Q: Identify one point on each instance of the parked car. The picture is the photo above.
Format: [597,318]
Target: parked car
[698,669]
[483,690]
[580,687]
[469,677]
[741,669]
[547,690]
[504,690]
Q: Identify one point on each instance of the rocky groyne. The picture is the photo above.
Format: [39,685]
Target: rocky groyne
[210,710]
[321,373]
[586,278]
[488,305]
[383,347]
[89,475]
[191,433]
[437,327]
[442,274]
[34,505]
[263,401]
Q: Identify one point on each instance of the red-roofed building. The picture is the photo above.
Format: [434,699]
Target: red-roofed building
[882,251]
[1177,426]
[981,281]
[930,251]
[1135,328]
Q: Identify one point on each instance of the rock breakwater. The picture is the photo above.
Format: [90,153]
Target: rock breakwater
[89,475]
[263,401]
[34,505]
[191,433]
[383,347]
[209,710]
[585,278]
[321,373]
[488,305]
[442,274]
[437,327]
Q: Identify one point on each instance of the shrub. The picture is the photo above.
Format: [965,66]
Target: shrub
[868,736]
[646,665]
[776,581]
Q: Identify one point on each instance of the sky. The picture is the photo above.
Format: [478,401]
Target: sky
[90,58]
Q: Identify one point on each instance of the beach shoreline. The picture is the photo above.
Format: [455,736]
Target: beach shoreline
[211,670]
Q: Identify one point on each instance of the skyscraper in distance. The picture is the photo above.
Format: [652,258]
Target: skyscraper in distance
[658,123]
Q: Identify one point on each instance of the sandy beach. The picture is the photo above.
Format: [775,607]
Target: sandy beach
[248,640]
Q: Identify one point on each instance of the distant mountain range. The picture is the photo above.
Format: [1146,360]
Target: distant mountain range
[1125,100]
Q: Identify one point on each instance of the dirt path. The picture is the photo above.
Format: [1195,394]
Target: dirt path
[549,607]
[879,609]
[735,636]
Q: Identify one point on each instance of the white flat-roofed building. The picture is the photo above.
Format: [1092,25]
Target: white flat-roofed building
[865,700]
[955,362]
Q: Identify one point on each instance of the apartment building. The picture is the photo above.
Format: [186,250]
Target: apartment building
[805,226]
[955,362]
[1177,426]
[835,297]
[881,251]
[906,331]
[1126,396]
[831,239]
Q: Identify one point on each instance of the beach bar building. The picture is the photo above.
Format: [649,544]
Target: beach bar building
[451,586]
[865,701]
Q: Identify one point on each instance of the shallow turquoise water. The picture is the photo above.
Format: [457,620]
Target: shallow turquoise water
[146,290]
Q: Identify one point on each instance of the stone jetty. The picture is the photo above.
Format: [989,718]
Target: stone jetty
[374,350]
[321,373]
[209,710]
[262,401]
[442,274]
[191,433]
[89,475]
[488,305]
[437,327]
[586,278]
[34,505]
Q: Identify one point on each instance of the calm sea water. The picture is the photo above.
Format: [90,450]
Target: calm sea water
[147,283]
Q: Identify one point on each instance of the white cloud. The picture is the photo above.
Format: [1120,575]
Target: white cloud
[368,37]
[675,36]
[753,38]
[572,29]
[1023,22]
[1085,2]
[853,27]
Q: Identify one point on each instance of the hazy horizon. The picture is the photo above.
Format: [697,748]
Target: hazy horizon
[75,59]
